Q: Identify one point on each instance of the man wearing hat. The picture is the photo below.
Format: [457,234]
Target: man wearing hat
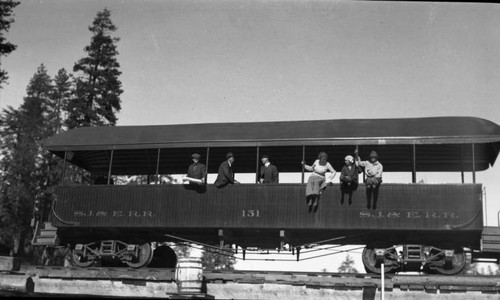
[268,172]
[373,170]
[197,170]
[225,175]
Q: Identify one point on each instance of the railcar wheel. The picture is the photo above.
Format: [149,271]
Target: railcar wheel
[143,259]
[453,266]
[79,260]
[390,258]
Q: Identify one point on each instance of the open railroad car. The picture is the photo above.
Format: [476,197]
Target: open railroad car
[415,226]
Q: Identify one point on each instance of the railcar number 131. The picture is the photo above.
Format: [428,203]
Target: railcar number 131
[250,213]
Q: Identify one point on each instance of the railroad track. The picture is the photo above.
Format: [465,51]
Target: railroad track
[315,280]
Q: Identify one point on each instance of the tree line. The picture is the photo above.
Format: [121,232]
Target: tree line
[90,96]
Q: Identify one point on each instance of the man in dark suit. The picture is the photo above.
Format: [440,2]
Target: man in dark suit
[268,171]
[226,174]
[197,170]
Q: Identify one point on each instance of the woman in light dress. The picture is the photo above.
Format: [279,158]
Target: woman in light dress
[317,181]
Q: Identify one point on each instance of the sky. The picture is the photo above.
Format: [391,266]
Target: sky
[245,61]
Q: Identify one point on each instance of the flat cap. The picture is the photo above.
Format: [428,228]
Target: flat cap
[373,154]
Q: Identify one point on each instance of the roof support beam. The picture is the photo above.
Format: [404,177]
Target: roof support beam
[257,166]
[64,167]
[473,163]
[462,163]
[303,159]
[414,163]
[110,166]
[157,177]
[206,164]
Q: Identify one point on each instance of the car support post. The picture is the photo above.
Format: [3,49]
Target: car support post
[257,175]
[206,164]
[157,177]
[473,163]
[64,167]
[414,164]
[303,160]
[462,163]
[110,166]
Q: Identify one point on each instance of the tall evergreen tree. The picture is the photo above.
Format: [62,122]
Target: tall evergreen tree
[98,89]
[22,133]
[62,95]
[6,19]
[347,266]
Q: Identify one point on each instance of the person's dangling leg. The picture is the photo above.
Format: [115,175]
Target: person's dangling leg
[368,196]
[316,203]
[315,186]
[322,186]
[352,187]
[375,196]
[309,192]
[342,192]
[309,199]
[319,183]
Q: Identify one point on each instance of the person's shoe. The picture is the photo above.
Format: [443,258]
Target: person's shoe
[350,201]
[368,206]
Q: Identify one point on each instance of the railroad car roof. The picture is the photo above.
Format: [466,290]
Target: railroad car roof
[437,130]
[386,133]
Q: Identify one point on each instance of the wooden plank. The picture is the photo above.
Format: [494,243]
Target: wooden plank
[489,230]
[16,283]
[9,263]
[447,280]
[489,290]
[48,226]
[40,240]
[104,273]
[453,288]
[431,288]
[491,248]
[48,233]
[102,288]
[416,287]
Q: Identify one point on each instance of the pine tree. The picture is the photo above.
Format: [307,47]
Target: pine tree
[62,94]
[347,266]
[98,89]
[22,133]
[6,19]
